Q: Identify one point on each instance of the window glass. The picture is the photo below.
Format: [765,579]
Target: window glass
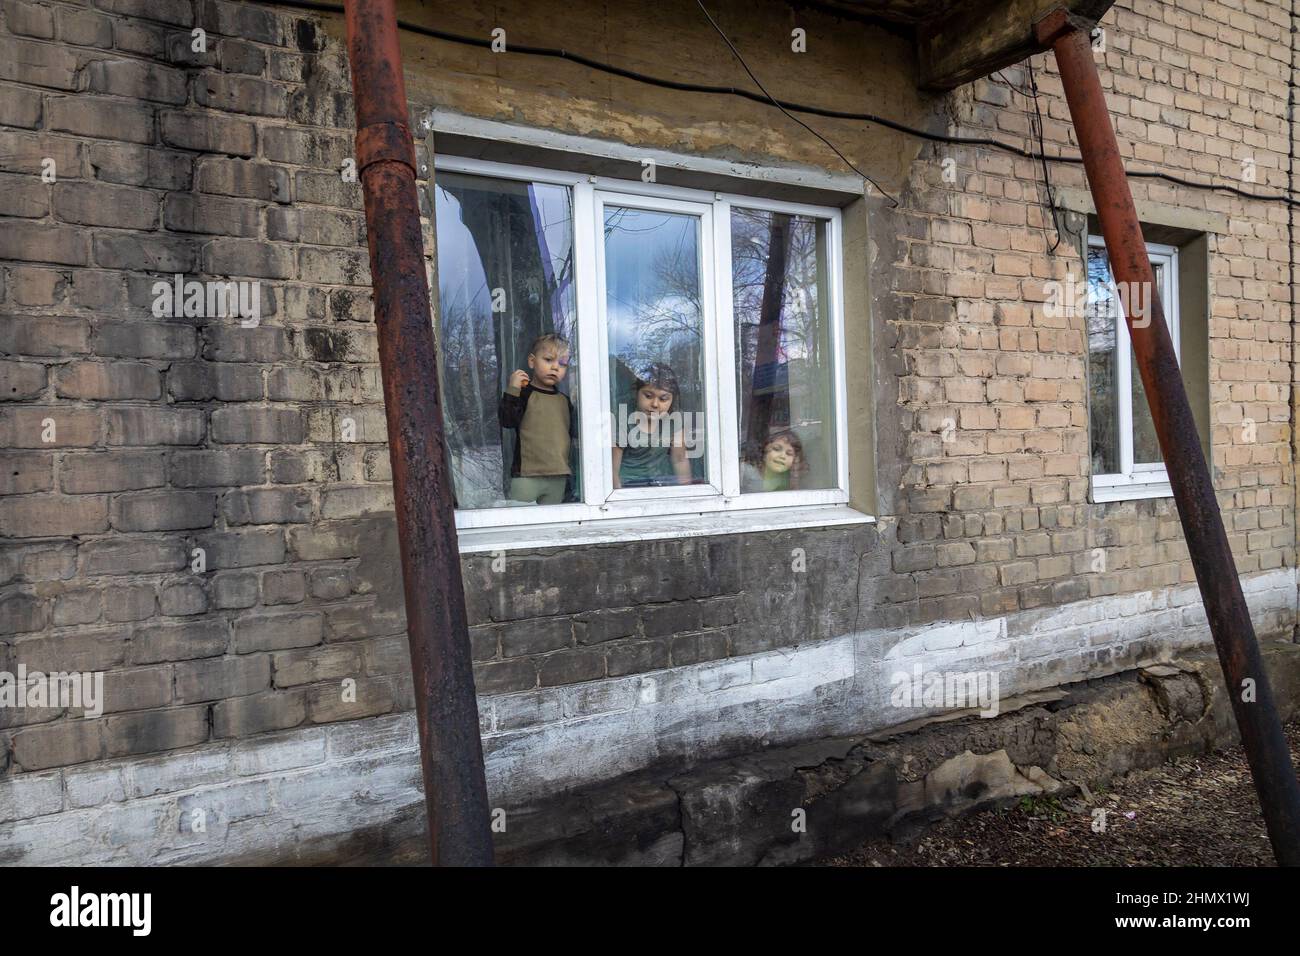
[785,373]
[506,280]
[1102,317]
[1114,383]
[512,263]
[1146,447]
[655,319]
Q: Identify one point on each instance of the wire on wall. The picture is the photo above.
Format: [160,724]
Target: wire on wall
[1047,178]
[777,103]
[787,105]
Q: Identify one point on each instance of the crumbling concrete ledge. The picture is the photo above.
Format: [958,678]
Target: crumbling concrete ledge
[801,803]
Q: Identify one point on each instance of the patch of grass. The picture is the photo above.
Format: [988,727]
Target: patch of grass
[1048,808]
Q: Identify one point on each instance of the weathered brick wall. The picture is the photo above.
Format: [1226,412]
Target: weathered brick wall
[175,438]
[998,516]
[559,616]
[177,434]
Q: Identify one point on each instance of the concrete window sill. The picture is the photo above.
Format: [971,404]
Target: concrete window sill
[617,530]
[1151,484]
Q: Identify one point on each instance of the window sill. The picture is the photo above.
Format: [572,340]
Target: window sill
[620,530]
[1108,488]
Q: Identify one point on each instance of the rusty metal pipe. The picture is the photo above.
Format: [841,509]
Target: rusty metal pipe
[451,751]
[1198,508]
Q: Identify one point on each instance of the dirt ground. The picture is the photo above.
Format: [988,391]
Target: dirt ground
[1193,811]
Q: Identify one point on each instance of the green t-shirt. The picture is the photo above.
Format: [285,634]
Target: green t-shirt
[754,479]
[645,466]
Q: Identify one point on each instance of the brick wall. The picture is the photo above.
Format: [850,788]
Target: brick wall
[1195,90]
[186,524]
[175,437]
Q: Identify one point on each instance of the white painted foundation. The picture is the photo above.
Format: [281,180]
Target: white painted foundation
[265,797]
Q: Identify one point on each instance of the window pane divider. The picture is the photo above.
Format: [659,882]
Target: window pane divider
[711,277]
[596,480]
[835,316]
[728,361]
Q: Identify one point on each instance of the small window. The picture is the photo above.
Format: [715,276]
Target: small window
[1126,458]
[626,349]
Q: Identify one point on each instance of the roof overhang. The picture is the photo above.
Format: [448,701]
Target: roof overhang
[959,41]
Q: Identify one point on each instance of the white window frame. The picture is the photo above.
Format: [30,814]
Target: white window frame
[722,494]
[1137,480]
[711,356]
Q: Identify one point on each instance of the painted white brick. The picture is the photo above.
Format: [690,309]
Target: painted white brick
[134,830]
[600,697]
[717,677]
[181,771]
[279,753]
[223,805]
[93,786]
[32,795]
[368,737]
[665,687]
[976,635]
[780,664]
[377,782]
[984,633]
[516,711]
[943,637]
[1058,644]
[64,839]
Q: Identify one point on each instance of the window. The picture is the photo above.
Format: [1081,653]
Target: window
[1126,458]
[627,349]
[521,235]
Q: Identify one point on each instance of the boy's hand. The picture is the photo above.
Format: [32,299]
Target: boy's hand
[518,378]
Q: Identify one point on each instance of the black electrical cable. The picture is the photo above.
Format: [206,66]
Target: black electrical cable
[1005,82]
[684,87]
[777,104]
[1047,179]
[1290,213]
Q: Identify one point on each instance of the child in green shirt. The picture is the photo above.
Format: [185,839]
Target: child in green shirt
[651,451]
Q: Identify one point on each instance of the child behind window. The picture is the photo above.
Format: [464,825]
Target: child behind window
[544,423]
[650,449]
[777,467]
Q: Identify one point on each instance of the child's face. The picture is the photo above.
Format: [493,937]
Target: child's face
[653,401]
[779,456]
[549,365]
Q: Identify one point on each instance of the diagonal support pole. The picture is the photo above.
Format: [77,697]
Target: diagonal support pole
[451,751]
[1198,508]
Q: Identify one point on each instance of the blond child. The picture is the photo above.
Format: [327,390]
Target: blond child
[544,424]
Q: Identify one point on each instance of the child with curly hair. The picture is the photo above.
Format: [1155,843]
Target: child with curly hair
[776,466]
